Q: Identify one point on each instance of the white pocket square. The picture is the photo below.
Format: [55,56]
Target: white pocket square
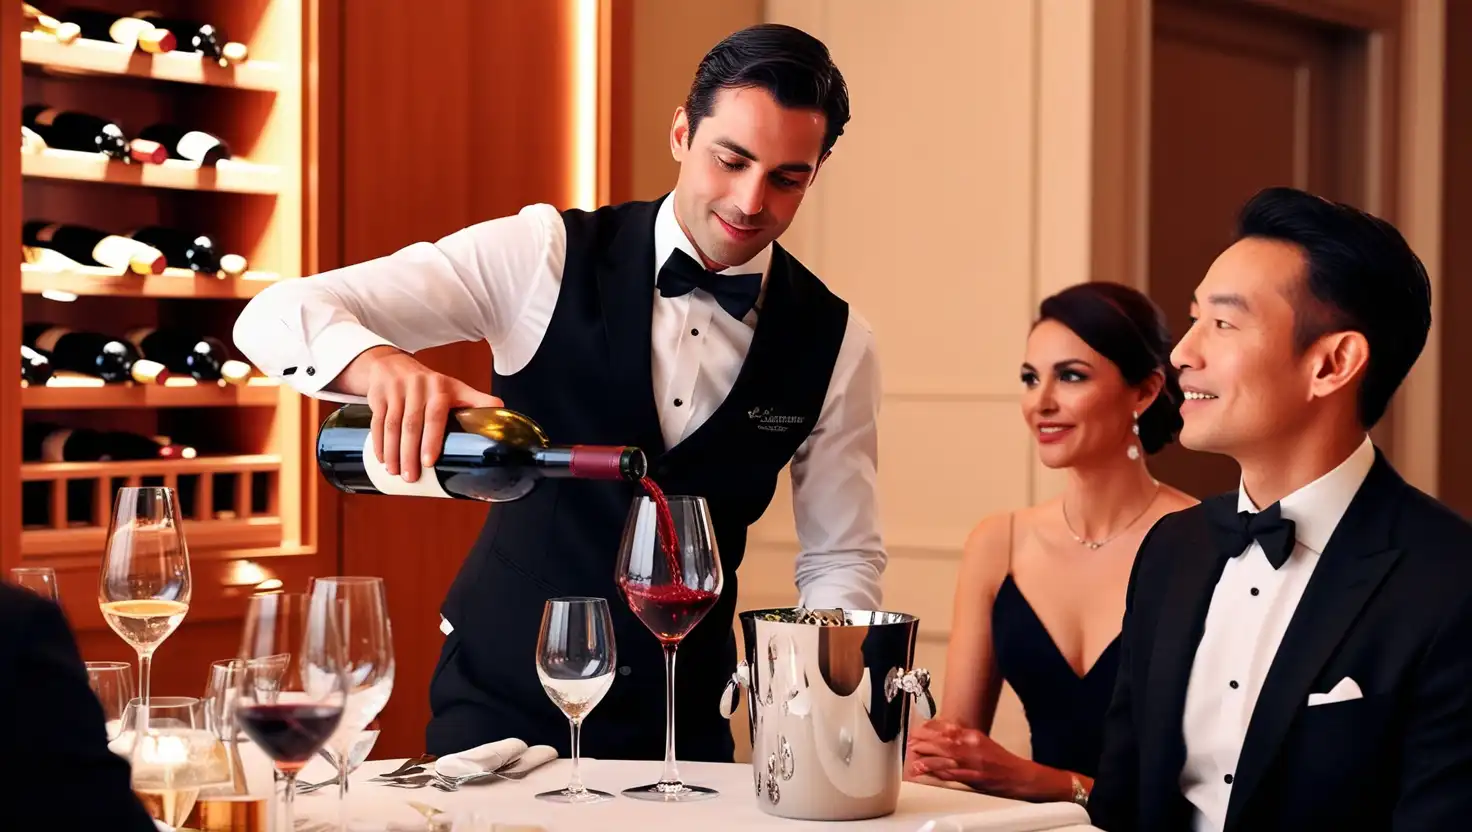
[1346,690]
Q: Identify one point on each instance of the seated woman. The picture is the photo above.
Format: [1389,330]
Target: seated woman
[1041,591]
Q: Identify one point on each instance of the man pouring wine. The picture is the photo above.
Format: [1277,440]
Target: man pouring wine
[677,326]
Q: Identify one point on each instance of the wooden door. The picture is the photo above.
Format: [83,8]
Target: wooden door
[1455,486]
[1241,99]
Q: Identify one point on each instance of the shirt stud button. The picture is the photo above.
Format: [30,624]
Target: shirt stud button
[679,402]
[625,670]
[1255,591]
[694,331]
[311,371]
[1234,684]
[1228,779]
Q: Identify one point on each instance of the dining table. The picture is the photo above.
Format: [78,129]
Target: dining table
[503,805]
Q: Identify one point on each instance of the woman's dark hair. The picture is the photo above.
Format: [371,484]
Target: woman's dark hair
[787,62]
[1127,328]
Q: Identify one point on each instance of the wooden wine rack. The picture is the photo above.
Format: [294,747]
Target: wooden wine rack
[251,494]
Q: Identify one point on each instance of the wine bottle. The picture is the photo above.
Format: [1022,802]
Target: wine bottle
[489,454]
[99,24]
[31,141]
[35,367]
[194,36]
[192,145]
[46,442]
[203,358]
[42,22]
[93,354]
[194,252]
[92,247]
[72,130]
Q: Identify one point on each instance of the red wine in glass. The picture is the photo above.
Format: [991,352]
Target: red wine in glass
[669,570]
[289,734]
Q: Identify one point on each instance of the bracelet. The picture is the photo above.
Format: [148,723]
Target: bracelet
[1080,796]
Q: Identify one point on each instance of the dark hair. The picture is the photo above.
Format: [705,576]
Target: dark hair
[787,62]
[1361,275]
[1127,328]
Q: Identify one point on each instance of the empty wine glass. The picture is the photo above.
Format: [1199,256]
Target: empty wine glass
[145,582]
[361,607]
[575,661]
[291,696]
[669,571]
[38,579]
[112,682]
[219,697]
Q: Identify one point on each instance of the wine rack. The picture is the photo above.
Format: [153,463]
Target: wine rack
[249,495]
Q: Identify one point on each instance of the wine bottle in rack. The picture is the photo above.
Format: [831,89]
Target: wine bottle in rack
[35,367]
[201,357]
[45,23]
[88,133]
[46,442]
[31,141]
[194,36]
[93,247]
[192,145]
[92,354]
[489,454]
[196,252]
[100,24]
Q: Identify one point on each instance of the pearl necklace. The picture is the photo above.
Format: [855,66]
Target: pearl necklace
[1098,544]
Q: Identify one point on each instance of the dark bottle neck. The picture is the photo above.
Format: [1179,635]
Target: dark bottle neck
[593,462]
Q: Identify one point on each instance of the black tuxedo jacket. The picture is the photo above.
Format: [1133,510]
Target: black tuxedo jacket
[55,768]
[1389,605]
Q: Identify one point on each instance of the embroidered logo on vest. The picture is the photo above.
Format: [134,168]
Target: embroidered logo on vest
[767,420]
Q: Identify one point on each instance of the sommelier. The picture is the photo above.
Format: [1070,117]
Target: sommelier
[679,326]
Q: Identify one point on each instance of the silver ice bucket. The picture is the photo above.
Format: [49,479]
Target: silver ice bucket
[828,693]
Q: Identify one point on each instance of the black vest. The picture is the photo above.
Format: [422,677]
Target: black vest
[590,382]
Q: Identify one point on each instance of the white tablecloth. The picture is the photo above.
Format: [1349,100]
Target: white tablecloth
[375,808]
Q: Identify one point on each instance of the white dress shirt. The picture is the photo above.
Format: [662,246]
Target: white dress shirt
[1249,613]
[498,282]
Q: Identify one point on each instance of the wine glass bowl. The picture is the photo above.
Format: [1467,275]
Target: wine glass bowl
[38,579]
[576,657]
[112,684]
[669,571]
[145,583]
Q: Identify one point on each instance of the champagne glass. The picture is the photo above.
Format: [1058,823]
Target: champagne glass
[174,756]
[670,585]
[291,695]
[361,608]
[112,682]
[575,661]
[145,585]
[38,579]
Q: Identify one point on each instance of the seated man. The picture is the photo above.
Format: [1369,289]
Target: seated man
[55,768]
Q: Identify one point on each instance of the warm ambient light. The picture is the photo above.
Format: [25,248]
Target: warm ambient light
[585,103]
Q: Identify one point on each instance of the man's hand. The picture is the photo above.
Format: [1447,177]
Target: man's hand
[410,404]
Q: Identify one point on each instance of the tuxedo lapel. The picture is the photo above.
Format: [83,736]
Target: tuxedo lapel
[626,291]
[1197,567]
[1355,561]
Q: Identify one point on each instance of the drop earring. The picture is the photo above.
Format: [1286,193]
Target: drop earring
[1133,452]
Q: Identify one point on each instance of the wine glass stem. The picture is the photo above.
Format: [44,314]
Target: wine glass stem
[575,782]
[671,772]
[145,670]
[289,778]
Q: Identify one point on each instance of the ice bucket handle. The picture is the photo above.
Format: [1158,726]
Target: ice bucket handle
[731,696]
[916,683]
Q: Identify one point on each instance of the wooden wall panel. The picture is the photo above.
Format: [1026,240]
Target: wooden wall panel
[438,133]
[1456,289]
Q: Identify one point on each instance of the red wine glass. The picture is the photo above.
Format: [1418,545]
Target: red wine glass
[291,695]
[669,571]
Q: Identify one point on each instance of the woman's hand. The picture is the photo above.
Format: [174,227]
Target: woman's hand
[947,751]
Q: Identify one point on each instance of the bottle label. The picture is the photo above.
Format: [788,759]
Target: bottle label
[127,30]
[118,252]
[54,445]
[194,145]
[386,483]
[46,341]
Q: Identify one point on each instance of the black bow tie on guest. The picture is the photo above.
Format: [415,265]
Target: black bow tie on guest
[1235,532]
[736,293]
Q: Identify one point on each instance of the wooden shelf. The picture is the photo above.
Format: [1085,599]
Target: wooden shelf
[230,175]
[69,395]
[173,283]
[95,57]
[30,471]
[200,534]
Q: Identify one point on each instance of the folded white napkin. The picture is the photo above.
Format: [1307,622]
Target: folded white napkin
[489,757]
[1036,817]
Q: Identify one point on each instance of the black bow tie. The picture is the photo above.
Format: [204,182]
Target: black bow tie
[736,293]
[1235,532]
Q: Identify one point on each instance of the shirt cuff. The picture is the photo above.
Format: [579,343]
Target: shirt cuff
[840,597]
[330,353]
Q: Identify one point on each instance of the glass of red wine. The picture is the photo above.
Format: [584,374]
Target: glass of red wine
[292,692]
[669,571]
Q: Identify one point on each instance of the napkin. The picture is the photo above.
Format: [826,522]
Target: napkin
[1035,817]
[489,757]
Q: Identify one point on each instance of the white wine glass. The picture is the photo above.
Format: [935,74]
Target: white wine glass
[112,683]
[575,661]
[361,608]
[145,583]
[38,579]
[174,756]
